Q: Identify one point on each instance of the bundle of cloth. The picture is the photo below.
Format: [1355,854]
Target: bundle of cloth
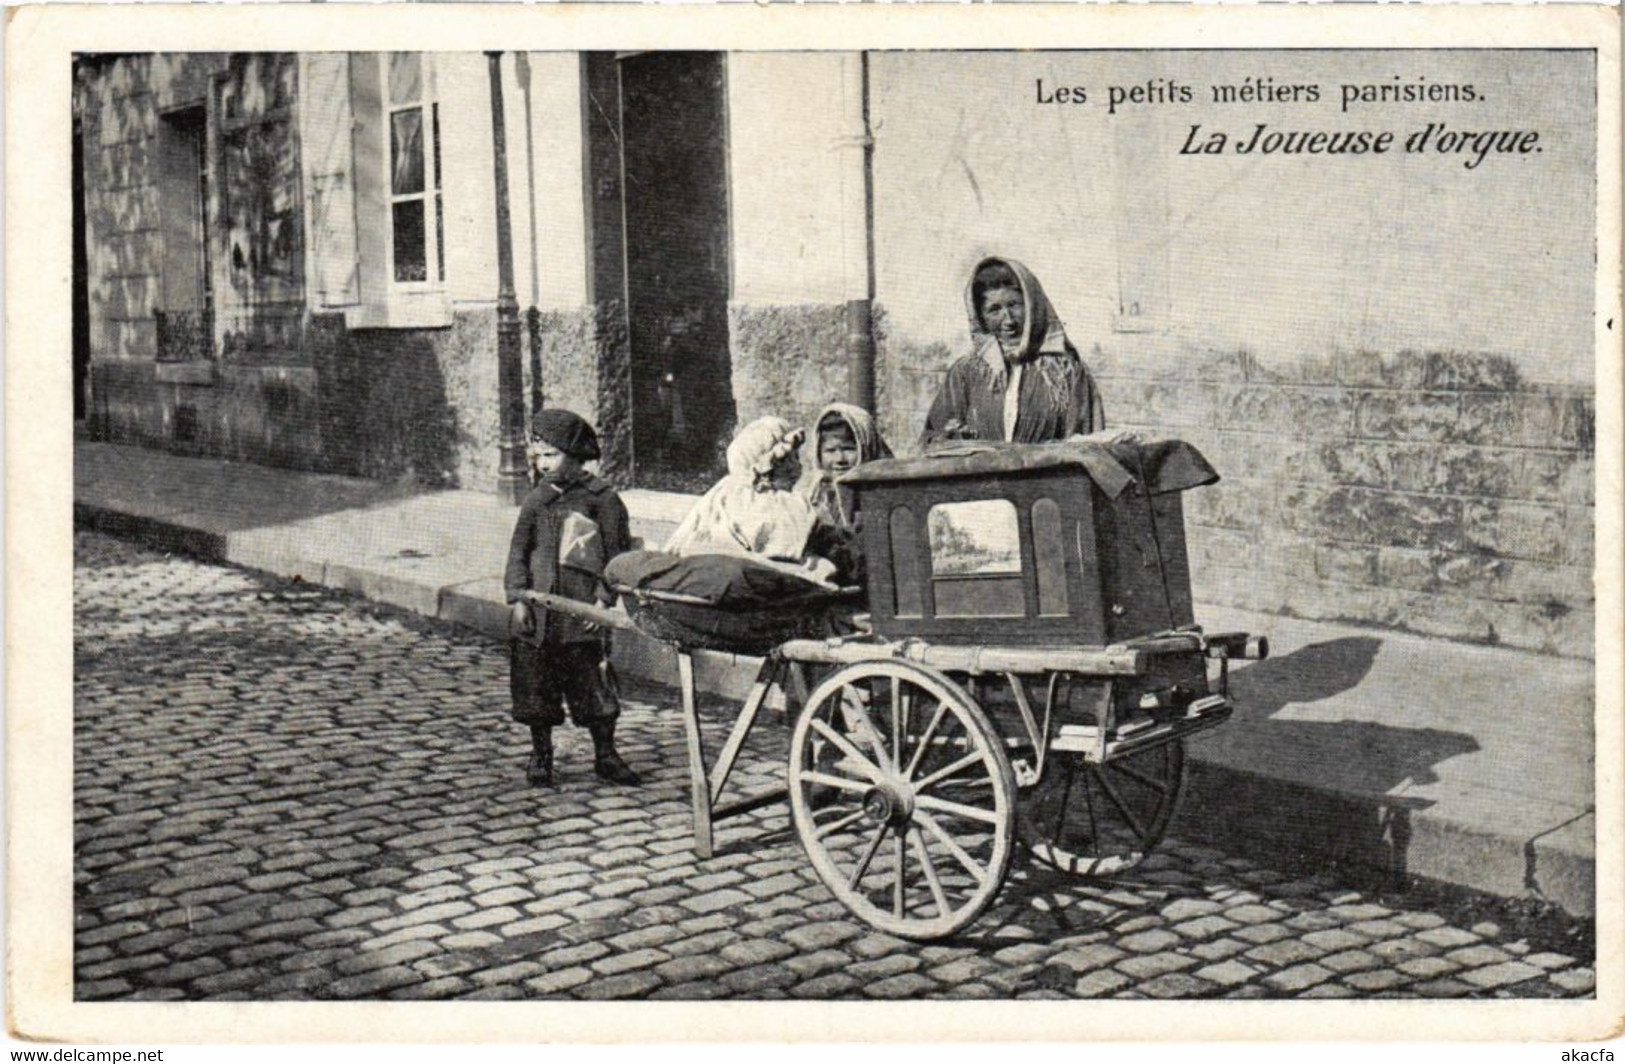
[737,574]
[757,511]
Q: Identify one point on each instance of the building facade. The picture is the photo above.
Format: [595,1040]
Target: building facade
[292,259]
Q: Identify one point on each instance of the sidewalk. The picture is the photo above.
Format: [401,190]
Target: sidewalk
[1369,750]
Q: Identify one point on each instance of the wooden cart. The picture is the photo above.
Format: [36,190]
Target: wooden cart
[1028,670]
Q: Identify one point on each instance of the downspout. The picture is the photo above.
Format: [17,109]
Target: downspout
[858,210]
[511,479]
[533,316]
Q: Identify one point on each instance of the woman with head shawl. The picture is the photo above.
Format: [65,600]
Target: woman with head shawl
[756,510]
[1023,380]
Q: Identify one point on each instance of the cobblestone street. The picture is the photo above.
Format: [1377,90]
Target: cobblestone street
[284,793]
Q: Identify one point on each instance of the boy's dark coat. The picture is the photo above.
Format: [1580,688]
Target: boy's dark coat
[533,556]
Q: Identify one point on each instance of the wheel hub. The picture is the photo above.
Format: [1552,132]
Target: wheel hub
[886,803]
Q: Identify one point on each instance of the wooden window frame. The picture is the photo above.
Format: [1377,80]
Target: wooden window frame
[432,195]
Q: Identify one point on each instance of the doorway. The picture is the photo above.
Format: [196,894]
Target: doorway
[186,319]
[81,281]
[675,194]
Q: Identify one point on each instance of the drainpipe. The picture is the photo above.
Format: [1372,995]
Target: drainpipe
[511,480]
[857,236]
[533,314]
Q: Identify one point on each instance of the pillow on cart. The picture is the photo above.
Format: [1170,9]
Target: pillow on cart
[711,579]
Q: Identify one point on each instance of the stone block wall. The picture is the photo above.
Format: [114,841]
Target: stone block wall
[119,102]
[586,368]
[907,377]
[268,411]
[119,114]
[265,414]
[1437,492]
[788,360]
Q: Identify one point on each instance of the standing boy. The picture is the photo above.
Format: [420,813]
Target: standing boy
[570,525]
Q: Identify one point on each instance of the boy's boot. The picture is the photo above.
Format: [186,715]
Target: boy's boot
[605,761]
[539,771]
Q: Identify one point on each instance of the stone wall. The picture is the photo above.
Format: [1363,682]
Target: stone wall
[386,409]
[294,390]
[250,401]
[788,361]
[124,244]
[266,414]
[1436,492]
[907,376]
[586,368]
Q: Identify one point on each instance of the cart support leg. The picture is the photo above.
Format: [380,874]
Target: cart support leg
[699,789]
[798,688]
[766,677]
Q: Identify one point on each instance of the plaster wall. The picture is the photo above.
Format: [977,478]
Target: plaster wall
[1285,255]
[561,223]
[1388,358]
[464,86]
[790,175]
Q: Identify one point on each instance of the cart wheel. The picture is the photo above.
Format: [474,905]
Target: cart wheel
[903,798]
[1101,820]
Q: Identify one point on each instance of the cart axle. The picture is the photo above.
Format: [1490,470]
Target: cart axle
[890,804]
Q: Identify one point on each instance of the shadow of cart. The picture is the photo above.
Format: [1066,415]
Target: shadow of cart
[1336,795]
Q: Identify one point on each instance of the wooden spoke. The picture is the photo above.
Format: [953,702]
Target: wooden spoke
[858,719]
[942,805]
[899,857]
[1089,804]
[1122,806]
[925,740]
[931,880]
[943,773]
[826,830]
[868,856]
[869,768]
[1139,777]
[955,850]
[897,729]
[844,783]
[1060,807]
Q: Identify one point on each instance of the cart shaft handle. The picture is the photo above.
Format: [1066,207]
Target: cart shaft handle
[590,612]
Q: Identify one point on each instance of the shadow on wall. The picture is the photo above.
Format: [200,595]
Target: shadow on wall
[1335,807]
[385,412]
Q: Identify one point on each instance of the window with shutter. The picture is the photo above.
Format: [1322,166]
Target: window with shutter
[416,223]
[399,206]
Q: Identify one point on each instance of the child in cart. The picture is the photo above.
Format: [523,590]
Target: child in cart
[756,510]
[844,437]
[570,525]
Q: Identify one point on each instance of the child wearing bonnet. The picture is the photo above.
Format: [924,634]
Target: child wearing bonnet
[756,510]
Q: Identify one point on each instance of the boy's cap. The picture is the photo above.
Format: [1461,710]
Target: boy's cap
[566,431]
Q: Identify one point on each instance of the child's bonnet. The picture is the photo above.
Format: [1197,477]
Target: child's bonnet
[745,513]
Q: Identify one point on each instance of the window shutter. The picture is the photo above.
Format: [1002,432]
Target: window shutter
[371,221]
[329,157]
